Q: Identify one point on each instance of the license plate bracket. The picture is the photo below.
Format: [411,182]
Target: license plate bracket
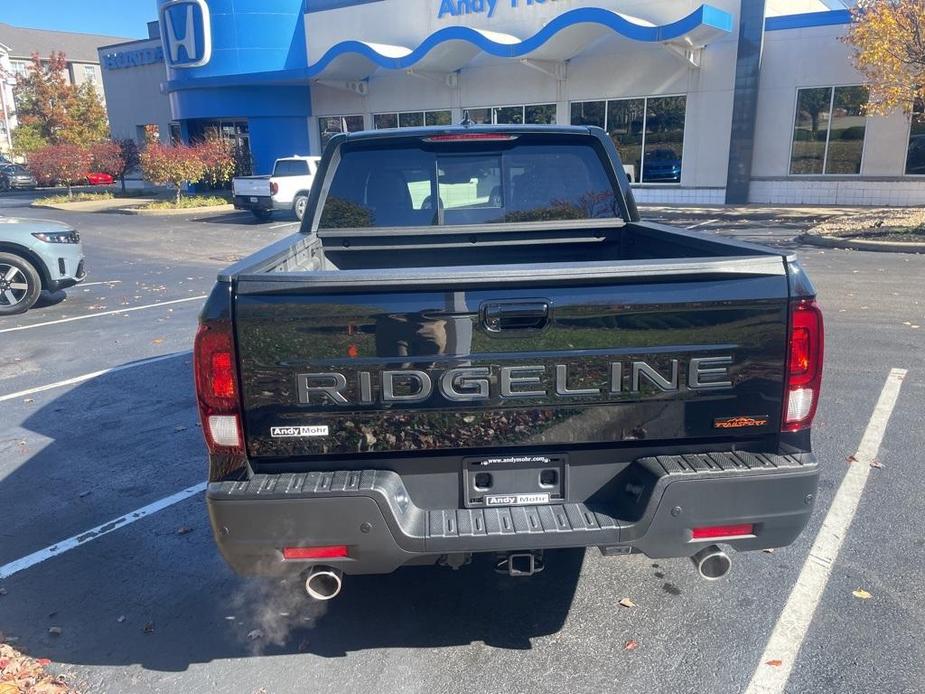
[514,480]
[253,199]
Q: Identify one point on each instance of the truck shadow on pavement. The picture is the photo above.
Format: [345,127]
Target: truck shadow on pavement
[156,593]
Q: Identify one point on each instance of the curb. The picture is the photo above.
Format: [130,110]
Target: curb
[87,205]
[173,213]
[863,245]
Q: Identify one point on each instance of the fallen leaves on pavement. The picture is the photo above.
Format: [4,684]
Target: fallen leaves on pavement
[876,464]
[183,530]
[254,635]
[631,645]
[626,602]
[20,673]
[862,594]
[774,663]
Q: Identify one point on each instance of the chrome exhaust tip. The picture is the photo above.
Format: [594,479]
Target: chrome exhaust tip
[323,582]
[712,563]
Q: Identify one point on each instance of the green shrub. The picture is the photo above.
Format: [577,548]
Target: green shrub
[186,202]
[76,197]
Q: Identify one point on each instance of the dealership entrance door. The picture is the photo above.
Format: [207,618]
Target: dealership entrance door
[233,131]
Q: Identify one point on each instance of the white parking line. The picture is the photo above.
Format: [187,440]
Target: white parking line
[793,622]
[702,224]
[93,284]
[83,538]
[103,313]
[87,377]
[284,224]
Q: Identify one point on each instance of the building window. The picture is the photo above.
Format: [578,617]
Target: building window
[89,73]
[413,119]
[532,114]
[648,133]
[828,131]
[19,68]
[444,117]
[915,155]
[329,126]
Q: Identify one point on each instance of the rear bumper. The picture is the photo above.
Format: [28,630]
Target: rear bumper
[371,512]
[254,202]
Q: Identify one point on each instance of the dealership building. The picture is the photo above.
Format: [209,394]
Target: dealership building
[731,101]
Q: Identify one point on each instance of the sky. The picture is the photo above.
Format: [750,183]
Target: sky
[124,18]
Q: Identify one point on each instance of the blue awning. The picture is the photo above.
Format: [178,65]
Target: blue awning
[453,48]
[563,38]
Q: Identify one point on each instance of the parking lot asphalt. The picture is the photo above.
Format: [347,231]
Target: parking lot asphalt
[151,607]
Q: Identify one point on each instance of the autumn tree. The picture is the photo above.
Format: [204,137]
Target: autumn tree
[53,111]
[218,160]
[106,157]
[65,164]
[131,159]
[888,38]
[88,120]
[172,165]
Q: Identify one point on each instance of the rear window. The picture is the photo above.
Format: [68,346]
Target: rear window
[529,179]
[291,167]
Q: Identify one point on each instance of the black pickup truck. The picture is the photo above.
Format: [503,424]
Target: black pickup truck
[473,344]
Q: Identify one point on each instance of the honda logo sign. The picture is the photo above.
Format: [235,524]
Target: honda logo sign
[187,33]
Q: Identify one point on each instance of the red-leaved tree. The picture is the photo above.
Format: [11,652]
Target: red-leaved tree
[172,165]
[106,157]
[62,164]
[217,157]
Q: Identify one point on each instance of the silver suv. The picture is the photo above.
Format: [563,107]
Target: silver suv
[36,254]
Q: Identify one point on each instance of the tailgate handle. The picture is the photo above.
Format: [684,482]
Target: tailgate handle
[517,315]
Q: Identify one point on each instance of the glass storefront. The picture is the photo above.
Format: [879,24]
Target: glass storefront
[531,114]
[648,133]
[235,132]
[915,154]
[828,131]
[411,119]
[329,126]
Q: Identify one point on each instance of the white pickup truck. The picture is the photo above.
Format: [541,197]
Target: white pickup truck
[286,188]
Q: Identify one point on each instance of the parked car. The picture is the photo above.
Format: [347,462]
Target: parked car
[287,188]
[661,166]
[36,254]
[521,365]
[16,177]
[99,178]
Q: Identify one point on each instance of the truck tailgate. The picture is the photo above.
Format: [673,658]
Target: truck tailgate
[546,364]
[251,185]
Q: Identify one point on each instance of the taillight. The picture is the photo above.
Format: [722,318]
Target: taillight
[274,187]
[804,365]
[216,387]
